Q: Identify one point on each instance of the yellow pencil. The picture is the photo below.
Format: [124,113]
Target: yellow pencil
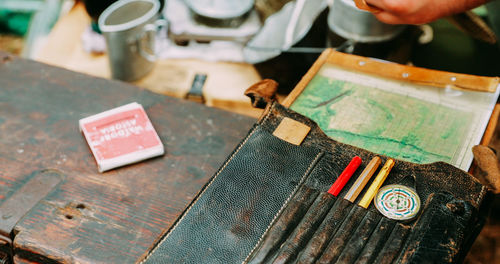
[363,179]
[377,182]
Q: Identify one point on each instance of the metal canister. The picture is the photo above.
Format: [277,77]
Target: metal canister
[349,22]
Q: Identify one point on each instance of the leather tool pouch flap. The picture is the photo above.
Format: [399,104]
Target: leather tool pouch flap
[268,203]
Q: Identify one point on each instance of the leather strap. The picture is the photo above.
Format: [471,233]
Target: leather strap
[17,205]
[262,93]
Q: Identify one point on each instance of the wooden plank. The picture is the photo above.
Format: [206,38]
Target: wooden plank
[14,208]
[117,216]
[307,78]
[492,125]
[413,74]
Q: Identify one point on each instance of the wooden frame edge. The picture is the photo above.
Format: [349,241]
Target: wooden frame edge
[307,78]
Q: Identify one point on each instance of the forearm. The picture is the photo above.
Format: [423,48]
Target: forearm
[420,11]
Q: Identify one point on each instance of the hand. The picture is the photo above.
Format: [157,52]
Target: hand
[419,11]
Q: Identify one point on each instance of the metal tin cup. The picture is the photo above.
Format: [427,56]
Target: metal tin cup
[130,27]
[349,22]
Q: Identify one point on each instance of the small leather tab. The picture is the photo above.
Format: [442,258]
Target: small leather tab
[487,170]
[291,131]
[262,92]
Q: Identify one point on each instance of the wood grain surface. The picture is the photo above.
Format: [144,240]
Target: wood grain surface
[113,217]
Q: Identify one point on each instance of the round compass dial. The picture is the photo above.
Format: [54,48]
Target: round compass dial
[397,202]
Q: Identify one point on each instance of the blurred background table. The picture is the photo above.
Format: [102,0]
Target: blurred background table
[224,87]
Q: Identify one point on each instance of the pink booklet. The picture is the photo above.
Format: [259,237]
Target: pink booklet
[121,136]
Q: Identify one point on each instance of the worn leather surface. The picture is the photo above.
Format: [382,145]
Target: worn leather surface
[427,178]
[441,231]
[268,204]
[286,223]
[333,230]
[234,210]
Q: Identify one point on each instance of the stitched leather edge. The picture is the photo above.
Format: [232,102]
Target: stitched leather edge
[206,187]
[481,196]
[308,171]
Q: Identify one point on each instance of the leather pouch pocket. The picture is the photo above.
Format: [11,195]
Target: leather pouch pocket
[317,227]
[331,230]
[234,210]
[441,230]
[267,204]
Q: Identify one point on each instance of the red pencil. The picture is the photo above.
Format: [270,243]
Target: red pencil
[345,176]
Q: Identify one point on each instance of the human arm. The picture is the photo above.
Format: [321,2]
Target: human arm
[419,11]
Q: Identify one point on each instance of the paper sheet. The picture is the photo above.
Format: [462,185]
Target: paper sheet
[416,123]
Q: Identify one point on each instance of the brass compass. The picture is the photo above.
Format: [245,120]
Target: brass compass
[398,202]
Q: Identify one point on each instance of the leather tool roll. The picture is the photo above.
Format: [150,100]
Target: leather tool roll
[268,204]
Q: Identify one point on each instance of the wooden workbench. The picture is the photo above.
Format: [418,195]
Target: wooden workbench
[89,217]
[224,86]
[39,107]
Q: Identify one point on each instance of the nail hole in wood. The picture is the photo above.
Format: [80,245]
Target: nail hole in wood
[69,217]
[80,206]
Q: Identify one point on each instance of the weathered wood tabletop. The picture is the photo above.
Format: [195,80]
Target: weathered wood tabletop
[89,217]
